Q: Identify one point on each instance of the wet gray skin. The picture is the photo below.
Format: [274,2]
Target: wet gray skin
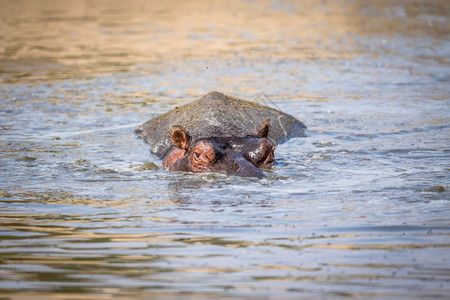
[220,116]
[234,163]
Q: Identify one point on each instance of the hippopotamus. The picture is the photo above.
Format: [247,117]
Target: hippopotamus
[219,133]
[233,155]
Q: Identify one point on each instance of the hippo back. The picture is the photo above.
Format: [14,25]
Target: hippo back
[218,115]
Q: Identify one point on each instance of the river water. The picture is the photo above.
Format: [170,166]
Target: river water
[359,208]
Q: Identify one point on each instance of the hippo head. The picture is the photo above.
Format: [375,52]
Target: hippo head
[242,156]
[196,156]
[206,154]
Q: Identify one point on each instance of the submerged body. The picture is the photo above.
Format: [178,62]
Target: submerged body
[218,115]
[221,136]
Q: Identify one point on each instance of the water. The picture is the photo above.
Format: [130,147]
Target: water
[359,208]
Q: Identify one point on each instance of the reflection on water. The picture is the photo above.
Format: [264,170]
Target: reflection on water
[359,208]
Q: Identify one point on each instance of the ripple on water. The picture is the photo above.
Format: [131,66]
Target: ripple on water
[359,208]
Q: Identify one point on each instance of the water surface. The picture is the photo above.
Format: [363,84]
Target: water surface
[359,208]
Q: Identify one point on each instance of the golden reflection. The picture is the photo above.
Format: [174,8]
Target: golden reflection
[100,293]
[69,198]
[291,268]
[369,265]
[84,39]
[378,246]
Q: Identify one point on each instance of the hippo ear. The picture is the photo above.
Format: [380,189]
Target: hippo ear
[180,137]
[263,132]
